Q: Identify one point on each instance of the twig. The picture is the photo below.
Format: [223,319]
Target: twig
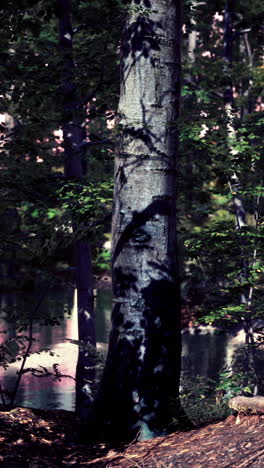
[160,463]
[133,462]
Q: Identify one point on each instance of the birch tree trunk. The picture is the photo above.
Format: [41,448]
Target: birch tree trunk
[140,385]
[74,137]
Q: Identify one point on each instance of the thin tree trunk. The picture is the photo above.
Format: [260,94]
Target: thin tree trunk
[246,57]
[140,385]
[74,136]
[192,38]
[86,365]
[229,108]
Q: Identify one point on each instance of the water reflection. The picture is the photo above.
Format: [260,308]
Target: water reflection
[50,346]
[204,353]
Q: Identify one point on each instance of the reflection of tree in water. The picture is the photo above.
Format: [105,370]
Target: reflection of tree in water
[19,307]
[52,326]
[203,354]
[44,392]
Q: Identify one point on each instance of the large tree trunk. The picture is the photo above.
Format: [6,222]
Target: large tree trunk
[74,136]
[140,386]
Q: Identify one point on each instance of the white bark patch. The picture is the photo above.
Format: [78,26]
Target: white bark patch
[157,322]
[87,315]
[145,432]
[135,396]
[239,209]
[142,352]
[158,368]
[88,391]
[201,330]
[130,334]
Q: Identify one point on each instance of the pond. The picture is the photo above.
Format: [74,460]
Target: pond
[204,353]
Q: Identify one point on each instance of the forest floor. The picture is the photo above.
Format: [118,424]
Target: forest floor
[34,438]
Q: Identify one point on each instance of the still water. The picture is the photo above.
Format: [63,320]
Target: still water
[204,353]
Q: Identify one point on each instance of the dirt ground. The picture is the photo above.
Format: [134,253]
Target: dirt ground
[43,438]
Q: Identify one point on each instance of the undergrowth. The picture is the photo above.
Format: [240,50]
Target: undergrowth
[202,401]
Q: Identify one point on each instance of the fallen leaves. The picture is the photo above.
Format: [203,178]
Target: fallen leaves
[42,438]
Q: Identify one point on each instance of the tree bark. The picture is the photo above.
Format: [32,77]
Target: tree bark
[74,137]
[140,385]
[192,37]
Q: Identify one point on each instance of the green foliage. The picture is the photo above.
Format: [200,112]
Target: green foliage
[32,187]
[231,314]
[231,384]
[90,200]
[201,402]
[141,10]
[205,400]
[224,255]
[102,261]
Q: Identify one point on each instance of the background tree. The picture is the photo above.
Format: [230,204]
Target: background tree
[75,142]
[217,255]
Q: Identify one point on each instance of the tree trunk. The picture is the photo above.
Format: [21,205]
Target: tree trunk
[140,385]
[229,108]
[86,365]
[192,37]
[74,136]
